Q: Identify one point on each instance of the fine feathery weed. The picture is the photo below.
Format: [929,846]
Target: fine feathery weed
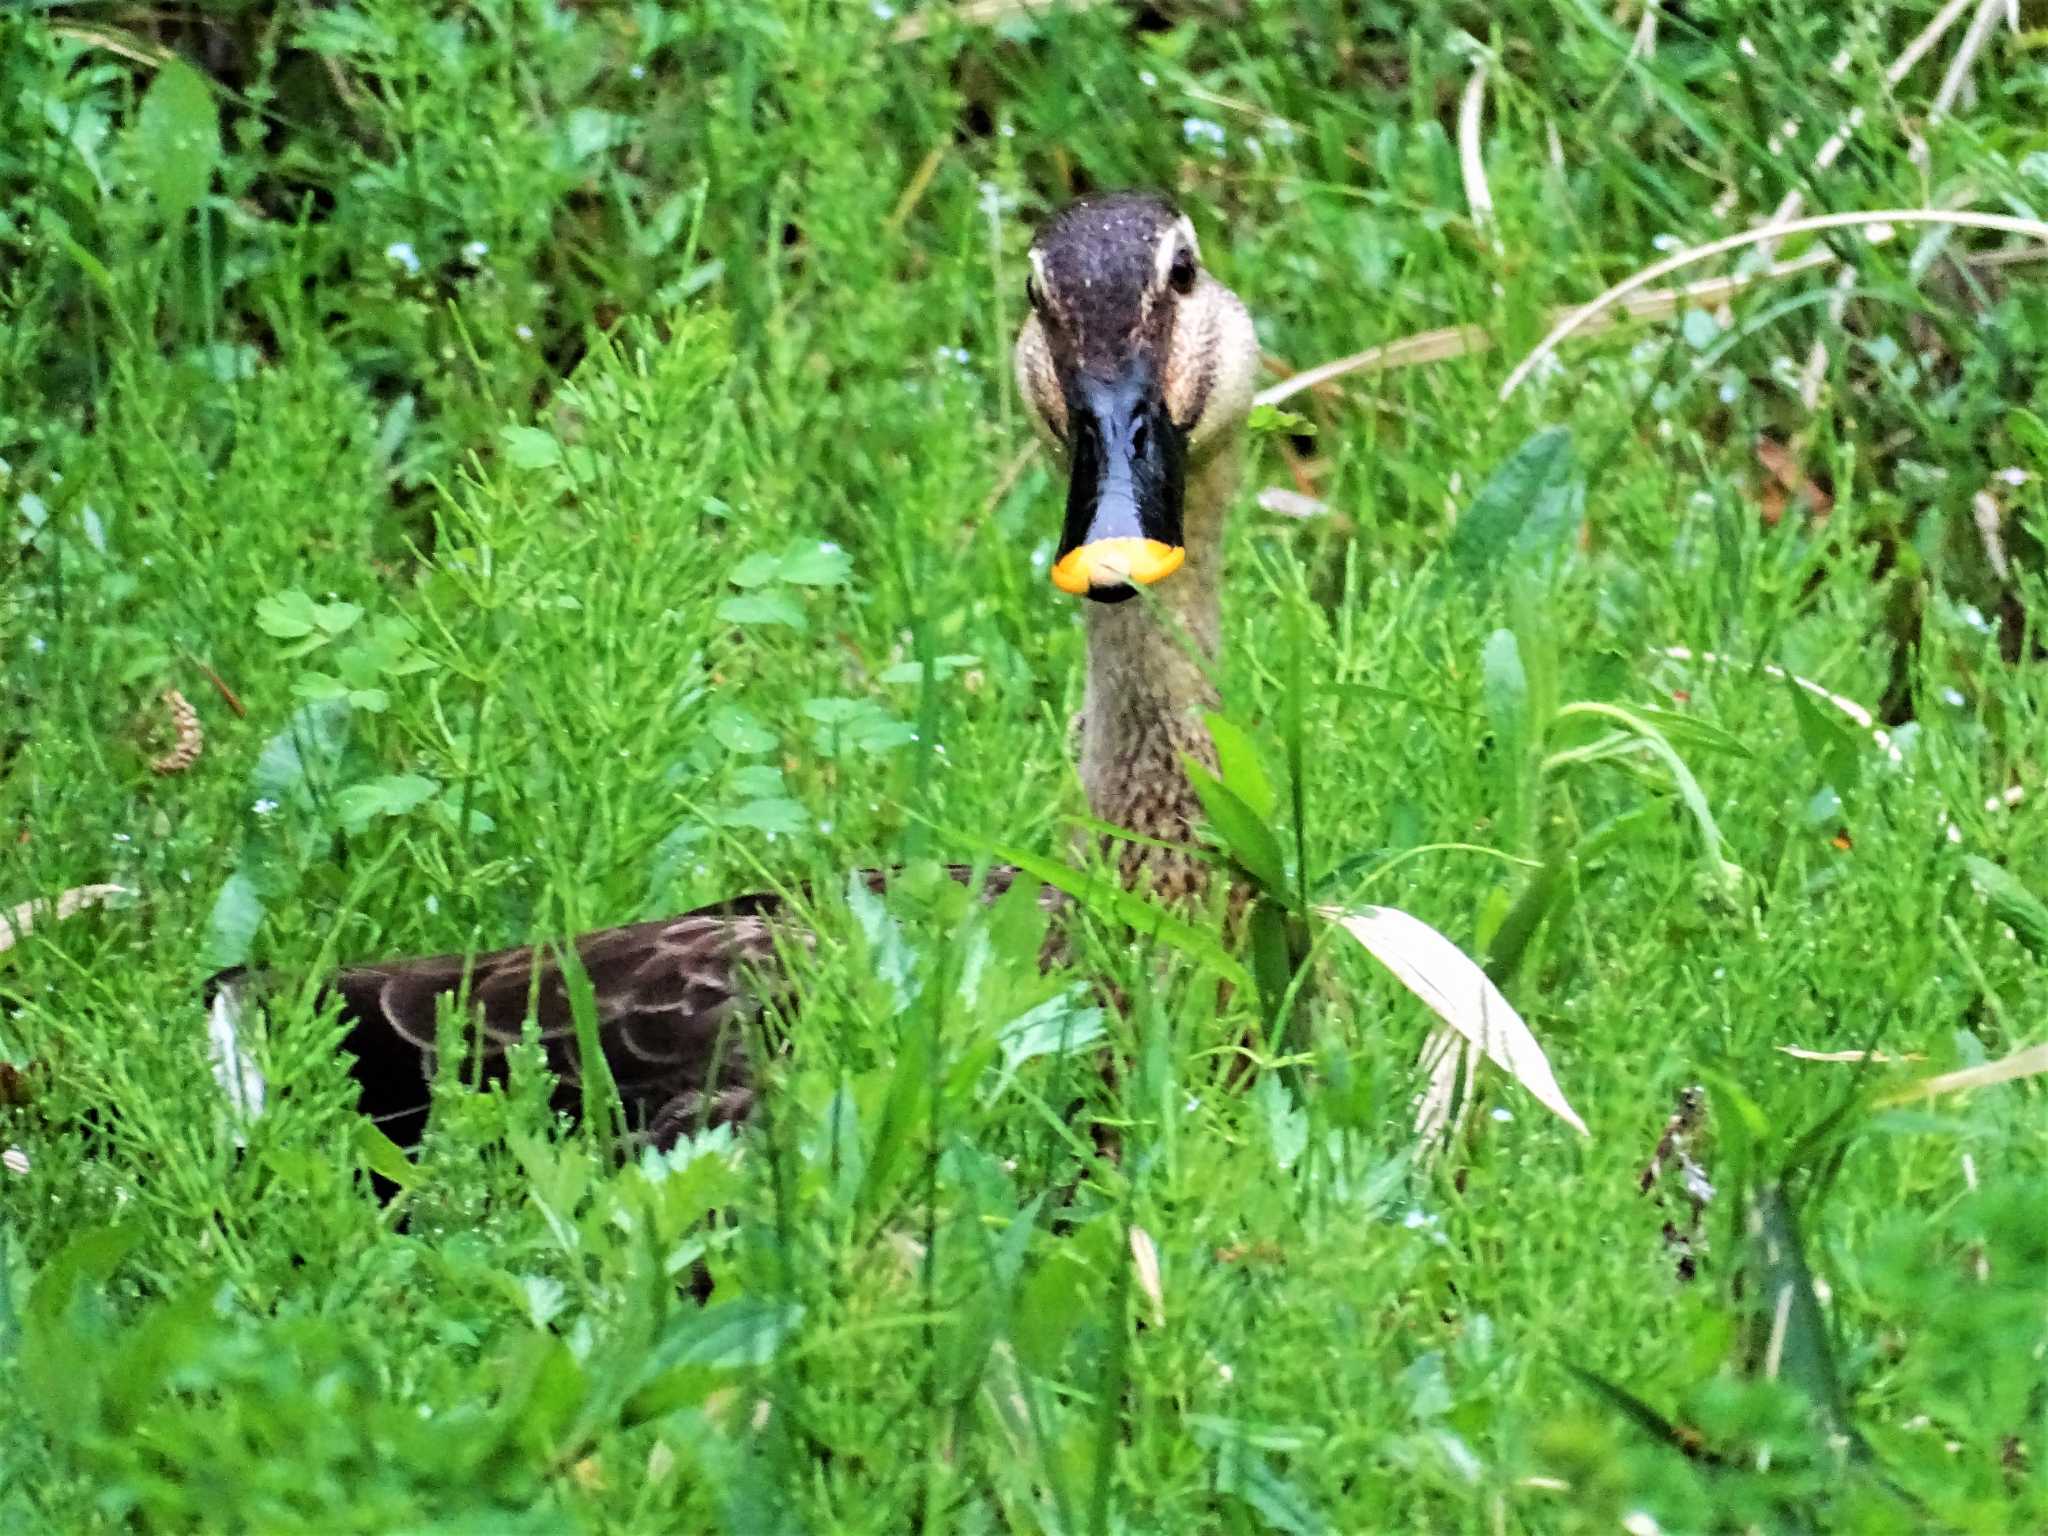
[475,473]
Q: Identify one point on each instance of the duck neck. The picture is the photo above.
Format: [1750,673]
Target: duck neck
[1148,686]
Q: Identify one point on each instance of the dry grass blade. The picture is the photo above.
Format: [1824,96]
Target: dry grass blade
[1975,37]
[1438,1111]
[1471,163]
[16,925]
[1900,67]
[2031,1062]
[1848,706]
[1803,1054]
[1145,1270]
[1464,340]
[1657,304]
[1423,347]
[1454,988]
[978,13]
[1578,319]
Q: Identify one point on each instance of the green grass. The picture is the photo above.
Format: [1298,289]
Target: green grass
[567,430]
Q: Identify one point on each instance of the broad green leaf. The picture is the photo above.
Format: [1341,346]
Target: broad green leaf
[1274,419]
[759,781]
[1530,508]
[393,795]
[1788,1337]
[530,448]
[756,570]
[1248,839]
[382,1156]
[1835,745]
[319,686]
[2011,902]
[779,815]
[1691,731]
[335,618]
[769,607]
[297,763]
[1504,689]
[1728,873]
[1107,899]
[288,615]
[737,731]
[816,565]
[231,926]
[176,138]
[1238,765]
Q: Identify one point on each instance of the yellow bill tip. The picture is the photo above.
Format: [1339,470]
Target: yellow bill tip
[1115,562]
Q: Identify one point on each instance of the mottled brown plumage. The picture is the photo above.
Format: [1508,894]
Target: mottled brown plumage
[1139,368]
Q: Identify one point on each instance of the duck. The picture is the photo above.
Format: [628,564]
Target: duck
[1138,366]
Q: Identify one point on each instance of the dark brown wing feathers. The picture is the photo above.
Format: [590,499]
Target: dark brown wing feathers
[675,999]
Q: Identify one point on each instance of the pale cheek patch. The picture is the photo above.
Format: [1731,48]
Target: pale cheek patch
[1037,382]
[1224,338]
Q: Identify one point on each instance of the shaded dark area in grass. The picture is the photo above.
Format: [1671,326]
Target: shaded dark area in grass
[566,457]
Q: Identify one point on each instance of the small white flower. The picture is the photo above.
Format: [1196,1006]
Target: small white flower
[38,644]
[1666,243]
[1953,698]
[638,72]
[264,806]
[1503,1115]
[883,10]
[123,837]
[475,252]
[523,332]
[401,254]
[1200,130]
[1745,47]
[1147,78]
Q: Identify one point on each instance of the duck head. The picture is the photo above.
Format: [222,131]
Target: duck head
[1139,367]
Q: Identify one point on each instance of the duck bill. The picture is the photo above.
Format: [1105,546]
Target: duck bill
[1127,490]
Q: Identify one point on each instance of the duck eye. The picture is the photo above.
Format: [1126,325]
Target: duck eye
[1182,273]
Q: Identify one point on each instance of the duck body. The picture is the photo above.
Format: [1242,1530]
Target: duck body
[1139,367]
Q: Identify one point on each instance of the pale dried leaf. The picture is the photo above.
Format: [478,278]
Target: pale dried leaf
[979,13]
[1471,161]
[2031,1062]
[1438,1113]
[1145,1270]
[1279,500]
[234,1069]
[1803,1054]
[15,925]
[1454,988]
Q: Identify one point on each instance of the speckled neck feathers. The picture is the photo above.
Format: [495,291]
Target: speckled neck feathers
[1148,690]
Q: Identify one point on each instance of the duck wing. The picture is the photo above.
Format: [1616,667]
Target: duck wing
[674,1001]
